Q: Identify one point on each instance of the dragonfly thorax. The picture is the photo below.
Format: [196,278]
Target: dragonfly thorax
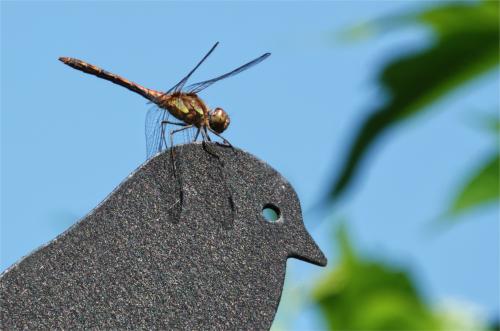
[192,110]
[218,120]
[188,108]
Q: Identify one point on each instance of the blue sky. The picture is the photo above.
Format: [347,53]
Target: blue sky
[67,139]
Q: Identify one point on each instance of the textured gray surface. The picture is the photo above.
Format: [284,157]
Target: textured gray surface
[136,261]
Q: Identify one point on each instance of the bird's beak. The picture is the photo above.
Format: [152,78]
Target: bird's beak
[305,249]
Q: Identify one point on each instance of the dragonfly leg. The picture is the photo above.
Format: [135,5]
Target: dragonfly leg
[165,123]
[185,127]
[221,137]
[174,168]
[230,199]
[173,123]
[197,134]
[203,135]
[204,140]
[207,137]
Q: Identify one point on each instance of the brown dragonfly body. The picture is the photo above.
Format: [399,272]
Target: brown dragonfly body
[187,107]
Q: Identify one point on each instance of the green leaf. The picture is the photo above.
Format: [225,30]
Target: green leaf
[368,294]
[361,294]
[466,45]
[487,121]
[495,126]
[482,187]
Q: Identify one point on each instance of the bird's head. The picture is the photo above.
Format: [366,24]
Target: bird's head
[283,218]
[273,207]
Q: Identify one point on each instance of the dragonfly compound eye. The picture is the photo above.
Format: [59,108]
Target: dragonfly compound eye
[219,120]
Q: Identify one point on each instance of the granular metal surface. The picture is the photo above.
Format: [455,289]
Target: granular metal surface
[149,257]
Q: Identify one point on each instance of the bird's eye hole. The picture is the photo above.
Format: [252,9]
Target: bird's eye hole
[271,213]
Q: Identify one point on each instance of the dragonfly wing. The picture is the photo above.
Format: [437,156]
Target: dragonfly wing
[195,88]
[153,130]
[178,87]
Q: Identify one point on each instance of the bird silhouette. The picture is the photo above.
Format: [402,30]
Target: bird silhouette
[135,263]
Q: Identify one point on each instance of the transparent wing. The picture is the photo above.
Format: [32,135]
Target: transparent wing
[153,130]
[195,88]
[178,87]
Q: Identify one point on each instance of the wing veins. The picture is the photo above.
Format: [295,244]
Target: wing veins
[178,87]
[197,87]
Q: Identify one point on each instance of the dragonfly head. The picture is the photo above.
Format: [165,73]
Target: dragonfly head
[218,120]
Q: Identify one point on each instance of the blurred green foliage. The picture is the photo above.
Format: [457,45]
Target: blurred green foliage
[360,294]
[465,46]
[481,188]
[366,294]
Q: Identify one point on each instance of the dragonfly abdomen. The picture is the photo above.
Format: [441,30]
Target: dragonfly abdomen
[101,73]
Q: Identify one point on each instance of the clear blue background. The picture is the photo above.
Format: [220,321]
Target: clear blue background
[67,139]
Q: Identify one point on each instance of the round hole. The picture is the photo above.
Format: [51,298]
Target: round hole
[271,213]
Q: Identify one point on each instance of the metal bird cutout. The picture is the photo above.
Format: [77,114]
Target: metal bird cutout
[129,264]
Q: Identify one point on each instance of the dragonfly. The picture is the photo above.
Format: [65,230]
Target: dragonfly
[182,103]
